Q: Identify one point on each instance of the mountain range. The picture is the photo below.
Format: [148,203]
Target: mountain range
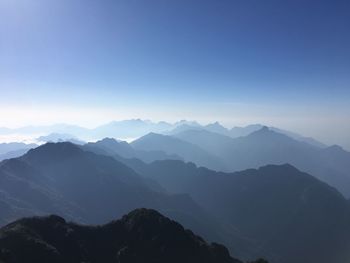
[112,147]
[260,191]
[185,149]
[266,146]
[135,128]
[63,179]
[290,216]
[276,211]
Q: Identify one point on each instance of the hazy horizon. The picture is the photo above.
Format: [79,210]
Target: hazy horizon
[31,138]
[236,62]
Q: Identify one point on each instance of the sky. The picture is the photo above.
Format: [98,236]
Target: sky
[87,62]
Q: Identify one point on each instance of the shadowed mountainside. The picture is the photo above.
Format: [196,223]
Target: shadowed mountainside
[290,215]
[61,178]
[275,211]
[140,236]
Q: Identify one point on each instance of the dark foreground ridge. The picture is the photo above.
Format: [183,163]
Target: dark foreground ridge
[143,235]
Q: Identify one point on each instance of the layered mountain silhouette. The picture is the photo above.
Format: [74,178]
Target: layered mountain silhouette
[276,212]
[331,164]
[170,145]
[63,179]
[236,132]
[112,147]
[143,235]
[290,216]
[135,128]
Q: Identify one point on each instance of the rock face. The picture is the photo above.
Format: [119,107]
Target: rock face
[143,235]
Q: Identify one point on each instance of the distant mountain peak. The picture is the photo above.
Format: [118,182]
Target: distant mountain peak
[263,131]
[255,127]
[153,134]
[190,123]
[216,125]
[112,142]
[335,147]
[109,140]
[156,136]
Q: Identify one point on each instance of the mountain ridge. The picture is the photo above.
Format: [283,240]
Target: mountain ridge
[266,146]
[267,205]
[63,179]
[171,145]
[142,235]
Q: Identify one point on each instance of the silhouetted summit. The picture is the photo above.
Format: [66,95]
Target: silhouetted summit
[141,236]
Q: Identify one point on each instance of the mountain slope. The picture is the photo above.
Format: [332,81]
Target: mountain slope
[15,146]
[236,132]
[170,145]
[47,179]
[112,147]
[290,216]
[141,236]
[13,154]
[269,147]
[61,178]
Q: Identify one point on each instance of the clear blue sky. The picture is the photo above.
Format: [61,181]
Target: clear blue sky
[284,63]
